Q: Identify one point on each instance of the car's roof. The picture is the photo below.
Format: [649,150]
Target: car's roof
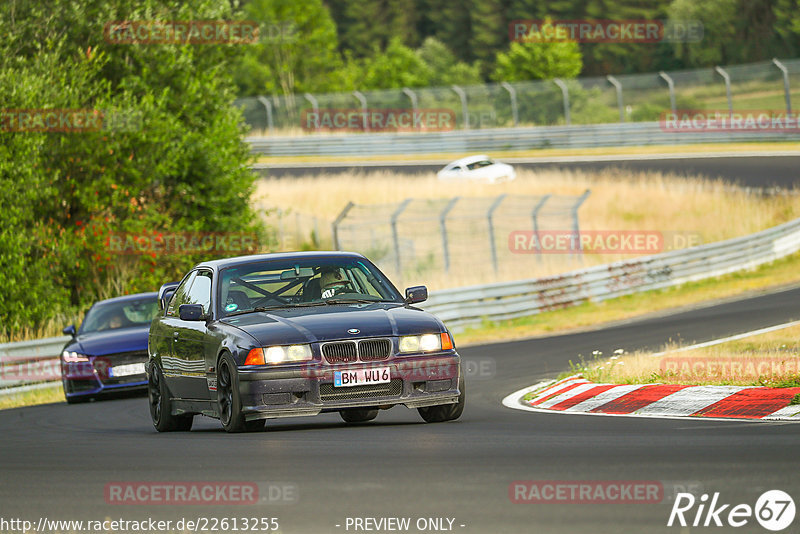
[470,159]
[137,296]
[277,256]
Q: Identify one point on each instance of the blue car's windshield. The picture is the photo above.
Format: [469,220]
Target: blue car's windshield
[302,282]
[113,315]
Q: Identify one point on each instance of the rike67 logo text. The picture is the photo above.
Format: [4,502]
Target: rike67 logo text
[774,510]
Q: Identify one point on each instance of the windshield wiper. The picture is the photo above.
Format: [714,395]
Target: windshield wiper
[275,307]
[355,300]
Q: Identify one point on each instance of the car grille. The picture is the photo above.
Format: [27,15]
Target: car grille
[340,352]
[329,393]
[121,358]
[367,350]
[374,349]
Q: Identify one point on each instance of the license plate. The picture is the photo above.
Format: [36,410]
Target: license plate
[361,377]
[127,370]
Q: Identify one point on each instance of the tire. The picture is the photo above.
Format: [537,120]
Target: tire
[161,405]
[446,412]
[230,404]
[358,415]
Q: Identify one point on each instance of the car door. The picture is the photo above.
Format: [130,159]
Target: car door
[190,341]
[170,329]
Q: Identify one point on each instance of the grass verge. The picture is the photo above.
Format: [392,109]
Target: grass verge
[771,360]
[592,314]
[33,397]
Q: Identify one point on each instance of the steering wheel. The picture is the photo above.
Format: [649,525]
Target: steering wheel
[341,284]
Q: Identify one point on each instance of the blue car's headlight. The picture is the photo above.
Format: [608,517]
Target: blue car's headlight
[279,354]
[74,357]
[425,343]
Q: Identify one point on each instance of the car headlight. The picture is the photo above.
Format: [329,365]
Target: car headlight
[74,357]
[279,354]
[425,343]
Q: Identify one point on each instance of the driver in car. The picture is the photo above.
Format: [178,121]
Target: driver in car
[333,282]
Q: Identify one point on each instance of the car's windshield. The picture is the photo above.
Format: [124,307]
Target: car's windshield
[113,315]
[302,282]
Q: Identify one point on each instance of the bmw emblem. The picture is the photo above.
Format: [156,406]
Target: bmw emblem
[354,331]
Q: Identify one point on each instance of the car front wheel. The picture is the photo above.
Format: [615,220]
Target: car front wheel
[446,412]
[230,404]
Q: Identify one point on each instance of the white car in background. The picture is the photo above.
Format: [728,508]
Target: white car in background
[479,169]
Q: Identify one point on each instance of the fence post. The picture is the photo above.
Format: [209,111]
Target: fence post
[337,221]
[727,79]
[513,95]
[413,97]
[490,221]
[576,229]
[786,92]
[443,227]
[314,105]
[268,106]
[535,215]
[565,96]
[667,78]
[464,111]
[363,101]
[398,264]
[618,86]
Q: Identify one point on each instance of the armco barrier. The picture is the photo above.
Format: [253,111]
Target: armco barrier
[470,305]
[499,139]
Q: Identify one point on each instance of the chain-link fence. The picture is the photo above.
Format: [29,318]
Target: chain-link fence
[454,236]
[768,85]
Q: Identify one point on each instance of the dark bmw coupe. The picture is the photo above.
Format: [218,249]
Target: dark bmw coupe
[108,353]
[277,335]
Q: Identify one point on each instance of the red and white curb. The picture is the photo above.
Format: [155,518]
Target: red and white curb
[576,395]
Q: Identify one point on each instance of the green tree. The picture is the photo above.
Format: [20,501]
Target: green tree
[538,60]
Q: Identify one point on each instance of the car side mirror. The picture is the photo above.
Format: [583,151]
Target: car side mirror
[416,294]
[191,312]
[69,330]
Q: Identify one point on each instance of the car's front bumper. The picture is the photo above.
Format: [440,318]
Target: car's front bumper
[415,382]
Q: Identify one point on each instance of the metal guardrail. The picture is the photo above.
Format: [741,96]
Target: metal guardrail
[501,139]
[470,305]
[36,362]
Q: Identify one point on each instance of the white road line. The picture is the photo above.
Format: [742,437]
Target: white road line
[689,400]
[729,338]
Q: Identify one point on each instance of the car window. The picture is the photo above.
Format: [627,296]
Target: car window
[113,315]
[200,290]
[180,295]
[479,164]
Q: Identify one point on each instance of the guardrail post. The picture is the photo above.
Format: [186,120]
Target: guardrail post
[337,221]
[618,86]
[576,229]
[490,221]
[787,94]
[464,111]
[535,215]
[727,79]
[363,101]
[513,95]
[398,264]
[443,227]
[314,105]
[268,106]
[671,85]
[413,97]
[565,96]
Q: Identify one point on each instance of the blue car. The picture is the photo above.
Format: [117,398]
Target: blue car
[108,353]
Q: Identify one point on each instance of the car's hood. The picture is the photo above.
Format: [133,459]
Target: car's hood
[110,341]
[306,325]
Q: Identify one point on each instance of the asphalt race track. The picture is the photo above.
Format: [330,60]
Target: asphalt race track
[751,171]
[57,459]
